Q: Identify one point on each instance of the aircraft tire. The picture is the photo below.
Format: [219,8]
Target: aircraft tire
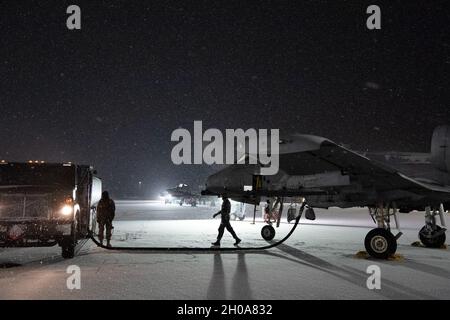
[433,242]
[268,232]
[380,243]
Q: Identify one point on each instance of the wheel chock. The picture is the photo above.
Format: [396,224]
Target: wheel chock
[420,245]
[361,255]
[396,257]
[365,255]
[417,244]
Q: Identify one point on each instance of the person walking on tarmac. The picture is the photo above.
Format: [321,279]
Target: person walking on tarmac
[106,210]
[225,222]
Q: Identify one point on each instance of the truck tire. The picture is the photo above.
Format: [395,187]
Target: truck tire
[69,243]
[68,251]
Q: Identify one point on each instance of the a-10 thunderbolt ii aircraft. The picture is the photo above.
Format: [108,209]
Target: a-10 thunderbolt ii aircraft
[326,174]
[181,193]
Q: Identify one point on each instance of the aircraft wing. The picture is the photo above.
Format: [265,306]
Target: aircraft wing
[327,156]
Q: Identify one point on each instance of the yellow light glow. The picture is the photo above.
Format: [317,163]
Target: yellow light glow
[66,210]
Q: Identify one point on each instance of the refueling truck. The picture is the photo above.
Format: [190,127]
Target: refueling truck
[47,204]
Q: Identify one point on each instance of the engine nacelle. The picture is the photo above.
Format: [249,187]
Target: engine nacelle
[440,148]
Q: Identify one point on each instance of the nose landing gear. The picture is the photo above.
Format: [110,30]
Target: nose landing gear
[274,215]
[268,232]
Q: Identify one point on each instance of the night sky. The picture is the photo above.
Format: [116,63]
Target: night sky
[111,93]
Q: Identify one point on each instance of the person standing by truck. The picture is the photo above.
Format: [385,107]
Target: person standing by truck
[106,210]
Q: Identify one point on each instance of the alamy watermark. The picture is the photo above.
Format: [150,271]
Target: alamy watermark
[74,280]
[373,22]
[237,144]
[73,21]
[374,280]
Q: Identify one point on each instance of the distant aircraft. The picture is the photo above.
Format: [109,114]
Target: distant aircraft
[181,193]
[326,174]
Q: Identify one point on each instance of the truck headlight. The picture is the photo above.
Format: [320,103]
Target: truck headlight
[66,210]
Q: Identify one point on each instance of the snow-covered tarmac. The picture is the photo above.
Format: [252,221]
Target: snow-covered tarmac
[317,262]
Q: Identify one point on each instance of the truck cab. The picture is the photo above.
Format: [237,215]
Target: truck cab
[43,204]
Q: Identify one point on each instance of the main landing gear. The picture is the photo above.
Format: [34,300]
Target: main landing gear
[380,243]
[432,235]
[274,216]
